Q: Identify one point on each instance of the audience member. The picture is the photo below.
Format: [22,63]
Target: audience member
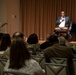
[5,42]
[33,43]
[62,41]
[5,45]
[20,59]
[7,51]
[18,34]
[57,50]
[46,43]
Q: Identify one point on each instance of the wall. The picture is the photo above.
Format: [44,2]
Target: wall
[13,16]
[3,15]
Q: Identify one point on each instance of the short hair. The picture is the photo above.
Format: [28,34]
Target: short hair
[18,34]
[62,40]
[53,39]
[32,39]
[5,41]
[19,50]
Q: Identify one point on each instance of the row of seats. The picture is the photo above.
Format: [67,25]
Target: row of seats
[58,66]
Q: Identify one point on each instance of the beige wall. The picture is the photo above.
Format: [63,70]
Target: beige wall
[3,15]
[13,16]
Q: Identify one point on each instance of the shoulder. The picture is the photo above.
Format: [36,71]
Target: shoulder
[48,49]
[67,17]
[30,61]
[58,17]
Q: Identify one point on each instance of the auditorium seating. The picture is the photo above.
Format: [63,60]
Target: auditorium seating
[56,69]
[74,62]
[13,73]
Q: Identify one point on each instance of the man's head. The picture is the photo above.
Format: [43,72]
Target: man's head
[18,34]
[53,39]
[62,13]
[62,41]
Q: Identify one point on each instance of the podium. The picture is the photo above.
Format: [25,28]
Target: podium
[62,30]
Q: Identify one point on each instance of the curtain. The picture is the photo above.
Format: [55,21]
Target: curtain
[39,16]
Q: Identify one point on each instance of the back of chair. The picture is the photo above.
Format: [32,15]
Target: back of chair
[56,69]
[13,73]
[2,64]
[40,60]
[58,60]
[74,63]
[3,61]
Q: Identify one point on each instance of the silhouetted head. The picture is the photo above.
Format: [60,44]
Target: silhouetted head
[1,34]
[53,39]
[62,41]
[32,39]
[18,34]
[5,42]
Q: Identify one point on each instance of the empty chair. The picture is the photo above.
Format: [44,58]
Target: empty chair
[56,69]
[13,73]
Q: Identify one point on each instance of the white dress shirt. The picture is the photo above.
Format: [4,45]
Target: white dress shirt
[62,24]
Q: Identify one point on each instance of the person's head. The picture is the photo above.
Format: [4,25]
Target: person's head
[62,13]
[32,39]
[18,53]
[1,34]
[53,39]
[66,36]
[5,41]
[62,41]
[47,37]
[18,34]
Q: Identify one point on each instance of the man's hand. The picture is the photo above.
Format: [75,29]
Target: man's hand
[69,29]
[62,19]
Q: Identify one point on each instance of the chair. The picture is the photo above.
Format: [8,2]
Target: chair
[74,63]
[56,69]
[3,61]
[2,64]
[40,54]
[40,60]
[58,60]
[13,73]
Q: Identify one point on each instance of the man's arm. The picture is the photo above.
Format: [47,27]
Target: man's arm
[70,24]
[58,21]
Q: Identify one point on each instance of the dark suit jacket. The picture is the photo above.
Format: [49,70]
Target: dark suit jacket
[68,22]
[58,51]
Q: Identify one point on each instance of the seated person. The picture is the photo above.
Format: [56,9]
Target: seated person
[63,23]
[6,53]
[32,44]
[59,51]
[46,43]
[20,59]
